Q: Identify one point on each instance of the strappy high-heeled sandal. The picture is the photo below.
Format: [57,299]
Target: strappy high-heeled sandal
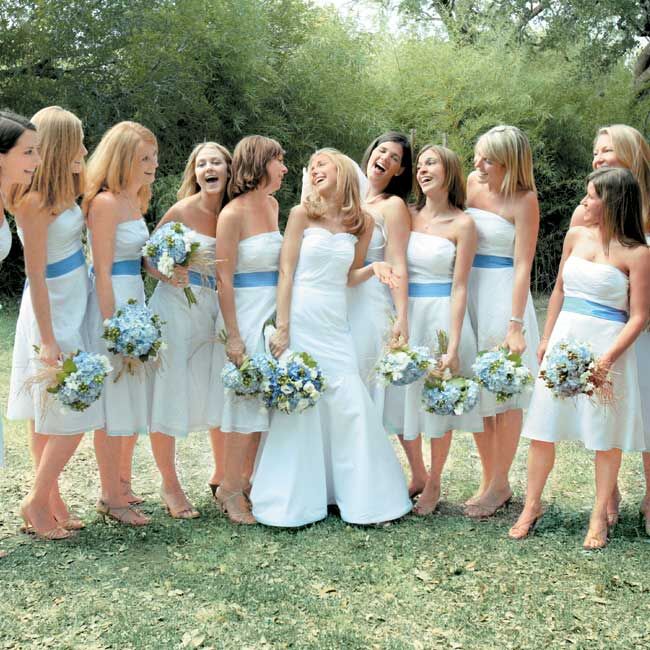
[127,515]
[236,514]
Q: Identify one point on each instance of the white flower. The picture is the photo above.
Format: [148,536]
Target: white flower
[166,265]
[287,390]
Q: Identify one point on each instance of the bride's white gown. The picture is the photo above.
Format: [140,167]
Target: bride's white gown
[336,452]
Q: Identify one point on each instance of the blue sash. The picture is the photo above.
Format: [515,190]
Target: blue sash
[492,262]
[595,309]
[66,265]
[126,267]
[199,280]
[429,289]
[255,279]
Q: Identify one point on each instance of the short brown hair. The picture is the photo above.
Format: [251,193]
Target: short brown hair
[250,158]
[454,177]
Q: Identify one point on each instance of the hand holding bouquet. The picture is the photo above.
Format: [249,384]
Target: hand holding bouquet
[402,364]
[247,379]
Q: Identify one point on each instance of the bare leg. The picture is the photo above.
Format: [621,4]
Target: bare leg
[217,442]
[55,454]
[171,492]
[419,474]
[249,464]
[506,441]
[541,458]
[608,464]
[430,496]
[37,442]
[126,467]
[230,493]
[485,447]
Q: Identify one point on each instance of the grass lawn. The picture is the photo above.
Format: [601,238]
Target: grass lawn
[439,582]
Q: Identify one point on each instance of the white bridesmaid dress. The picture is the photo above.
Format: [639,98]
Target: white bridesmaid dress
[5,247]
[180,389]
[642,348]
[430,262]
[67,285]
[489,300]
[125,401]
[594,310]
[255,281]
[370,309]
[336,452]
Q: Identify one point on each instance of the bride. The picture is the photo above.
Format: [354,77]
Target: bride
[336,452]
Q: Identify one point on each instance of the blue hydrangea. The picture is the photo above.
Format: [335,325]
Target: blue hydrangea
[134,331]
[501,372]
[449,396]
[402,366]
[569,369]
[247,379]
[81,379]
[295,384]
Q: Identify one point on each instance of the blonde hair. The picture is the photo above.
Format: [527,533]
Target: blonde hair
[633,151]
[110,167]
[249,160]
[454,177]
[189,185]
[347,197]
[61,137]
[509,146]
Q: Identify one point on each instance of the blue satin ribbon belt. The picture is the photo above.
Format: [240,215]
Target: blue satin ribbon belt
[124,267]
[255,279]
[66,265]
[492,262]
[199,280]
[429,289]
[595,309]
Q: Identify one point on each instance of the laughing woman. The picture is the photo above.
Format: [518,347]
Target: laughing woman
[336,452]
[19,158]
[620,145]
[502,200]
[52,313]
[180,389]
[602,297]
[248,250]
[120,173]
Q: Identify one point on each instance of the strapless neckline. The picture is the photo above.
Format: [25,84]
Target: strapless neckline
[494,214]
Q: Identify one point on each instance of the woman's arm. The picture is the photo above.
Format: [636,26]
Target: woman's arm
[289,255]
[102,221]
[557,297]
[228,235]
[526,231]
[181,273]
[398,230]
[639,268]
[359,273]
[34,221]
[466,242]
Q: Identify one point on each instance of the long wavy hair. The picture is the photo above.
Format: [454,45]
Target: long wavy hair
[399,185]
[189,185]
[347,197]
[510,147]
[110,167]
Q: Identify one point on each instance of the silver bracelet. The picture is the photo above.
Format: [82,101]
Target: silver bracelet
[515,319]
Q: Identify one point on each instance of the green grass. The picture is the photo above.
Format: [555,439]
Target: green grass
[439,582]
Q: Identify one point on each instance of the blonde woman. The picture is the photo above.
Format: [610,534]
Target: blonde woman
[19,159]
[601,296]
[120,173]
[248,250]
[52,313]
[502,200]
[620,145]
[180,401]
[440,252]
[336,452]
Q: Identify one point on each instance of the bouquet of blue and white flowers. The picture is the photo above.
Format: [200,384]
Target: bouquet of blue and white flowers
[246,380]
[444,394]
[77,381]
[501,372]
[571,369]
[295,384]
[173,244]
[134,332]
[402,365]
